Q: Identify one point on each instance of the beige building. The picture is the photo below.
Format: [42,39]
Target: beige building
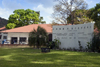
[20,35]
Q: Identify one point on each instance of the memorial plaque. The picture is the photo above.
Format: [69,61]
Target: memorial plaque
[72,34]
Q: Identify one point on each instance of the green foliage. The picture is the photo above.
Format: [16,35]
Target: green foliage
[32,41]
[66,8]
[94,14]
[94,44]
[88,45]
[23,17]
[49,44]
[54,44]
[10,25]
[80,46]
[57,43]
[80,17]
[40,20]
[38,37]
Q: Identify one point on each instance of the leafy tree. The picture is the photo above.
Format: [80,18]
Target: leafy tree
[10,26]
[23,17]
[94,13]
[38,37]
[79,17]
[40,20]
[94,44]
[54,23]
[65,8]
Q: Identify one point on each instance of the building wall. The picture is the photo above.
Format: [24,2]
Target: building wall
[2,37]
[69,35]
[18,35]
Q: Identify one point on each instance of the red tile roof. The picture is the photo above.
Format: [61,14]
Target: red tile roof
[29,28]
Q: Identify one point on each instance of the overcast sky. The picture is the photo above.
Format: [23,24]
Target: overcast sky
[44,6]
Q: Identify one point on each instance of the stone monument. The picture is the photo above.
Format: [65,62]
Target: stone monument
[70,35]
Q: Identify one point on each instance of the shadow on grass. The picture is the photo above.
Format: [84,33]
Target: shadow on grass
[28,57]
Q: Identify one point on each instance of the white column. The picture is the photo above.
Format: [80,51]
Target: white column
[18,40]
[26,40]
[9,39]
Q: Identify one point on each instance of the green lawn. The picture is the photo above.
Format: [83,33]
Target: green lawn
[16,57]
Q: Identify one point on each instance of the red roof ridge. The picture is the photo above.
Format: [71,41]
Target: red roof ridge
[29,28]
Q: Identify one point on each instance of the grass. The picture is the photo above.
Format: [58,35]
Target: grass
[28,57]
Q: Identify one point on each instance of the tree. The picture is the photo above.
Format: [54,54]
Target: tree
[80,17]
[94,44]
[65,8]
[38,37]
[94,13]
[40,20]
[10,26]
[54,23]
[23,17]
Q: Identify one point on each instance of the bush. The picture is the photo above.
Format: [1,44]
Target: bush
[94,44]
[80,46]
[57,43]
[38,37]
[54,44]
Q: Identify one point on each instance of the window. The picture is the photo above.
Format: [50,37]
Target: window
[67,28]
[63,28]
[81,27]
[59,28]
[22,39]
[4,37]
[72,28]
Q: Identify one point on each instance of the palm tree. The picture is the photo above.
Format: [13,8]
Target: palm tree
[38,37]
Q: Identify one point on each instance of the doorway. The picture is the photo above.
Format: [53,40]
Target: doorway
[50,37]
[13,40]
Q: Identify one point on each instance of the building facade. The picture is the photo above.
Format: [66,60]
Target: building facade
[20,35]
[71,35]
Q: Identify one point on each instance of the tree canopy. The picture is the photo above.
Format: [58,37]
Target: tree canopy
[94,13]
[79,17]
[23,17]
[65,8]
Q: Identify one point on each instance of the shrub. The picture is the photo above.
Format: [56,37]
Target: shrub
[80,46]
[94,44]
[57,43]
[38,37]
[54,44]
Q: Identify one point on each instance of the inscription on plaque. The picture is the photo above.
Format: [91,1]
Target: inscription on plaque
[69,35]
